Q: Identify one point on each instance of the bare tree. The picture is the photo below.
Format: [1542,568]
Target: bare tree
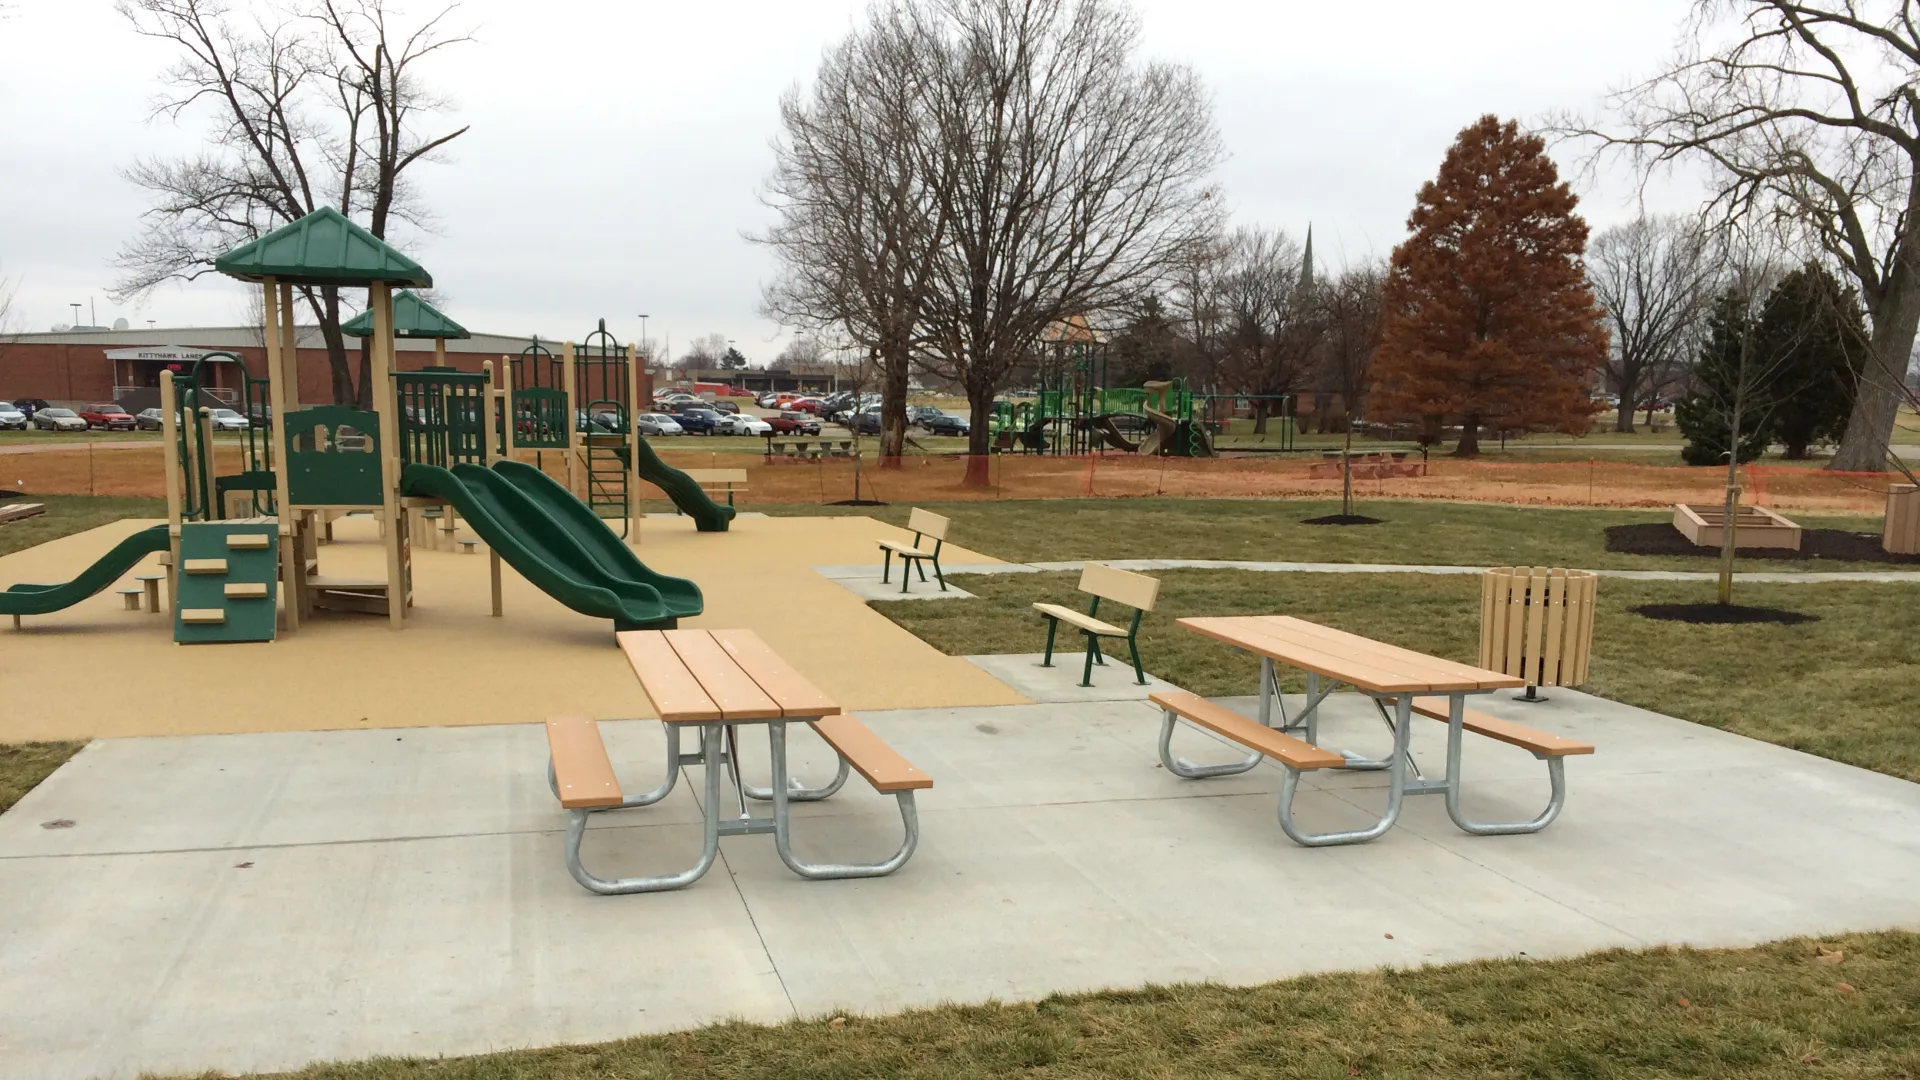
[705,352]
[861,201]
[1808,112]
[1275,321]
[1199,312]
[1351,306]
[1079,179]
[9,331]
[306,107]
[1654,280]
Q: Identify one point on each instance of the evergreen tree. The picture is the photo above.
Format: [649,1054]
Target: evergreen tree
[1813,332]
[1729,381]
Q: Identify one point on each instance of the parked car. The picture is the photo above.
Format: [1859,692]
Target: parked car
[727,407]
[657,424]
[920,414]
[11,417]
[944,423]
[675,398]
[865,422]
[30,405]
[811,405]
[794,423]
[767,400]
[50,418]
[107,416]
[227,420]
[608,420]
[737,424]
[149,419]
[261,416]
[697,421]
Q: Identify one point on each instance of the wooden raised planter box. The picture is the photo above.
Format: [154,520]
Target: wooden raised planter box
[1754,527]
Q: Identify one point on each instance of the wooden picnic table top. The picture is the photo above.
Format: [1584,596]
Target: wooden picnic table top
[702,676]
[1349,658]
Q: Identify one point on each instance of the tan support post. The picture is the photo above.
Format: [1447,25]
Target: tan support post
[289,353]
[633,445]
[440,352]
[489,414]
[380,301]
[272,332]
[506,401]
[572,421]
[170,434]
[493,570]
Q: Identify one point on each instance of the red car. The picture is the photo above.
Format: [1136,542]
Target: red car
[107,415]
[793,423]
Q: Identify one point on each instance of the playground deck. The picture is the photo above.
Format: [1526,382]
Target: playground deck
[454,664]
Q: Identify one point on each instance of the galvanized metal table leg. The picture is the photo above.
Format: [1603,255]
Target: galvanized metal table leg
[1269,690]
[1556,777]
[1396,792]
[783,826]
[798,793]
[1181,767]
[710,844]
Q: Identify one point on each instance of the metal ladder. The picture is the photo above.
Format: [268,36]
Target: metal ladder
[607,478]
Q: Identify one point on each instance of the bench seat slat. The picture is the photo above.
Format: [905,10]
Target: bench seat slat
[907,550]
[871,757]
[1506,731]
[581,768]
[1249,733]
[1079,619]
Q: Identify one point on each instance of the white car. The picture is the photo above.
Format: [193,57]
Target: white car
[227,420]
[657,424]
[11,417]
[742,424]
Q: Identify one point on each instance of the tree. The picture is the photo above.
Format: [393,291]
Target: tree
[1653,278]
[704,352]
[306,107]
[1274,318]
[1730,388]
[1814,332]
[1489,319]
[1079,179]
[733,359]
[803,349]
[1143,350]
[1806,111]
[1351,307]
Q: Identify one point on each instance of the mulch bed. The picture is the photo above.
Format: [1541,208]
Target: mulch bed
[1661,538]
[1723,614]
[1342,519]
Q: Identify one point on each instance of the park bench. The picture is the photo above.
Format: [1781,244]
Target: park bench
[926,526]
[727,480]
[717,682]
[1137,591]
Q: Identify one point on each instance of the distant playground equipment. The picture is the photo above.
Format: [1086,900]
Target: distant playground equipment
[1334,464]
[436,445]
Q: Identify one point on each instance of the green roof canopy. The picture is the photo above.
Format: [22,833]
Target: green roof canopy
[323,248]
[412,317]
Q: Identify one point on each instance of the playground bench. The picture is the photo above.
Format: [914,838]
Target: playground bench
[1401,680]
[716,682]
[1137,591]
[727,480]
[130,597]
[926,526]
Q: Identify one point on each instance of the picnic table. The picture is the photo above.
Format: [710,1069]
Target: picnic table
[719,682]
[1401,683]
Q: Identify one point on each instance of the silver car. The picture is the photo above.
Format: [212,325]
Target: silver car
[11,417]
[57,419]
[657,424]
[227,420]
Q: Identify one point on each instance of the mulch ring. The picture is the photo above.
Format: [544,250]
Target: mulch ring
[1341,519]
[1723,614]
[1661,538]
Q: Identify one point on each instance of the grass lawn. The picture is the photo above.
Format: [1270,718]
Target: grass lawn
[24,765]
[1780,1010]
[1446,533]
[68,514]
[1846,687]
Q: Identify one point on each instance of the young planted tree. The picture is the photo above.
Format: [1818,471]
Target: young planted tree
[1489,317]
[1813,329]
[1655,281]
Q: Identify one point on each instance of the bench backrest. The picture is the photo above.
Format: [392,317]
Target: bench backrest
[1137,591]
[928,524]
[718,476]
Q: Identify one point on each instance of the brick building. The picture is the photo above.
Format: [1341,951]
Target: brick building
[76,367]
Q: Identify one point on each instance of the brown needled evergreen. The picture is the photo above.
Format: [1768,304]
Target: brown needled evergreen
[1489,322]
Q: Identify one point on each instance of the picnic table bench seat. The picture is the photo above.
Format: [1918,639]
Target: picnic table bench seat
[1268,742]
[1539,743]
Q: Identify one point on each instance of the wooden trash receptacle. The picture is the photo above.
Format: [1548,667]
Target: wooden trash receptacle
[1537,624]
[1901,533]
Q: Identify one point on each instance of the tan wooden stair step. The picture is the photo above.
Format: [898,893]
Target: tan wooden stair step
[247,541]
[246,590]
[203,616]
[581,769]
[204,566]
[1248,733]
[871,757]
[1505,731]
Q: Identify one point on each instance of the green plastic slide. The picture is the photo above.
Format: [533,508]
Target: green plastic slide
[541,537]
[707,515]
[607,550]
[44,599]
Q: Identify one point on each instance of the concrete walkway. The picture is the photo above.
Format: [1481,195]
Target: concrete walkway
[845,574]
[258,901]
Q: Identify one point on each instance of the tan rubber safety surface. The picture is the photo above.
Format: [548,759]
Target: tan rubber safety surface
[97,670]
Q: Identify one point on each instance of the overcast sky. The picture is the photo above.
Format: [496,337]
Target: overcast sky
[617,147]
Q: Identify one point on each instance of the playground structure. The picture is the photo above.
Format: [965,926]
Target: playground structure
[436,447]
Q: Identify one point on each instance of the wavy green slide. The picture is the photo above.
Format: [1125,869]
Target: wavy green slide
[707,515]
[43,599]
[556,542]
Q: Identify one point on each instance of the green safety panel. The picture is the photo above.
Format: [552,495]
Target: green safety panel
[542,418]
[333,456]
[257,481]
[203,587]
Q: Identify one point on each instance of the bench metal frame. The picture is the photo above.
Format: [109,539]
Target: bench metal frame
[913,560]
[1397,764]
[718,752]
[1094,655]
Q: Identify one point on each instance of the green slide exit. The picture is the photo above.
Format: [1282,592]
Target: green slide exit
[44,599]
[557,542]
[707,515]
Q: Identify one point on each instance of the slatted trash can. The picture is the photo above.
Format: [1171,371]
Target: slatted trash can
[1901,533]
[1537,623]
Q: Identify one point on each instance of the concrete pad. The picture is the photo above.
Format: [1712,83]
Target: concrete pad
[1112,681]
[870,588]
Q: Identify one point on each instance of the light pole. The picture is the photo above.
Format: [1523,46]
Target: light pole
[76,314]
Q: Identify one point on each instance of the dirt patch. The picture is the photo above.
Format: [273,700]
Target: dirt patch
[1341,519]
[1723,614]
[1661,538]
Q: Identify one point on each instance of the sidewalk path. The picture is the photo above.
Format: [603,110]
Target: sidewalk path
[1761,577]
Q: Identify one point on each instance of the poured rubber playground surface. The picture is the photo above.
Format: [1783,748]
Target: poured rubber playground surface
[97,670]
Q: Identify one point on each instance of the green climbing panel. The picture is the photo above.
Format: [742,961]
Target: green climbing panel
[228,577]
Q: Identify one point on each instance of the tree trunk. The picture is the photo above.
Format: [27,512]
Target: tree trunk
[1876,401]
[893,408]
[1322,407]
[1469,438]
[365,397]
[980,406]
[1624,422]
[1259,417]
[327,314]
